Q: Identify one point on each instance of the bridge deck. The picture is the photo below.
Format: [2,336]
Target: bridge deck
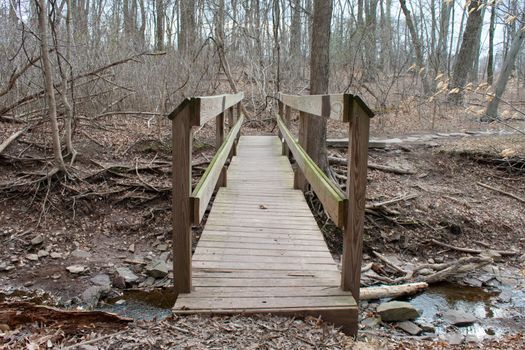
[261,249]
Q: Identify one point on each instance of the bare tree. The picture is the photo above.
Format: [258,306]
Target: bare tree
[491,112]
[417,47]
[467,51]
[314,128]
[49,86]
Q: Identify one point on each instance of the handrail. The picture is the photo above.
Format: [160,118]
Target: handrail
[188,207]
[333,199]
[334,106]
[346,211]
[204,190]
[207,107]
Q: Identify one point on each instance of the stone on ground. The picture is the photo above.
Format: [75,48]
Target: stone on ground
[409,327]
[459,318]
[157,269]
[127,274]
[397,311]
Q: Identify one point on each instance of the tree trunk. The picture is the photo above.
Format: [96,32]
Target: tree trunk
[465,58]
[65,77]
[187,26]
[295,37]
[417,47]
[473,74]
[314,127]
[159,28]
[491,112]
[48,80]
[490,59]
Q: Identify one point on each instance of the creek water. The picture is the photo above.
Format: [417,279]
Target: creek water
[495,315]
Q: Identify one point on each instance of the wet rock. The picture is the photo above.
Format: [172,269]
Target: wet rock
[409,327]
[452,338]
[371,322]
[505,296]
[42,253]
[397,311]
[101,280]
[76,269]
[148,282]
[162,247]
[157,269]
[37,240]
[426,327]
[459,318]
[32,257]
[91,296]
[118,282]
[164,256]
[81,254]
[473,282]
[127,274]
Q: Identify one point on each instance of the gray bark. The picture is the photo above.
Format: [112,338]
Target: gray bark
[465,58]
[491,112]
[48,80]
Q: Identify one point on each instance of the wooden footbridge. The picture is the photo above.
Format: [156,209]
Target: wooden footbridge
[261,250]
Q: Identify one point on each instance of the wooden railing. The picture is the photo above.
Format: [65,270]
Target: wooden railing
[346,210]
[189,207]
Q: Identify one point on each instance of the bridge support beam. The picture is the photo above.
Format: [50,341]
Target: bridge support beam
[181,206]
[356,189]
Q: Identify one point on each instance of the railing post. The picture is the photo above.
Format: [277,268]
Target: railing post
[219,131]
[286,120]
[230,118]
[356,187]
[299,181]
[181,191]
[281,114]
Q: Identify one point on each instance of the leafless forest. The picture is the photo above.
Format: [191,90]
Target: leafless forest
[86,87]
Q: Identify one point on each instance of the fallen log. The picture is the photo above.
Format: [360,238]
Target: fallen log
[343,143]
[474,251]
[385,168]
[380,292]
[20,313]
[10,139]
[461,266]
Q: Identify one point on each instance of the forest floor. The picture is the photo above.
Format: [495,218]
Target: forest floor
[86,239]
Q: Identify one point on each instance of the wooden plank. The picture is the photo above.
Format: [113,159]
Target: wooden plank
[262,259]
[283,240]
[265,252]
[353,236]
[211,106]
[225,292]
[269,274]
[264,266]
[326,106]
[181,211]
[264,302]
[261,282]
[333,200]
[262,246]
[204,190]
